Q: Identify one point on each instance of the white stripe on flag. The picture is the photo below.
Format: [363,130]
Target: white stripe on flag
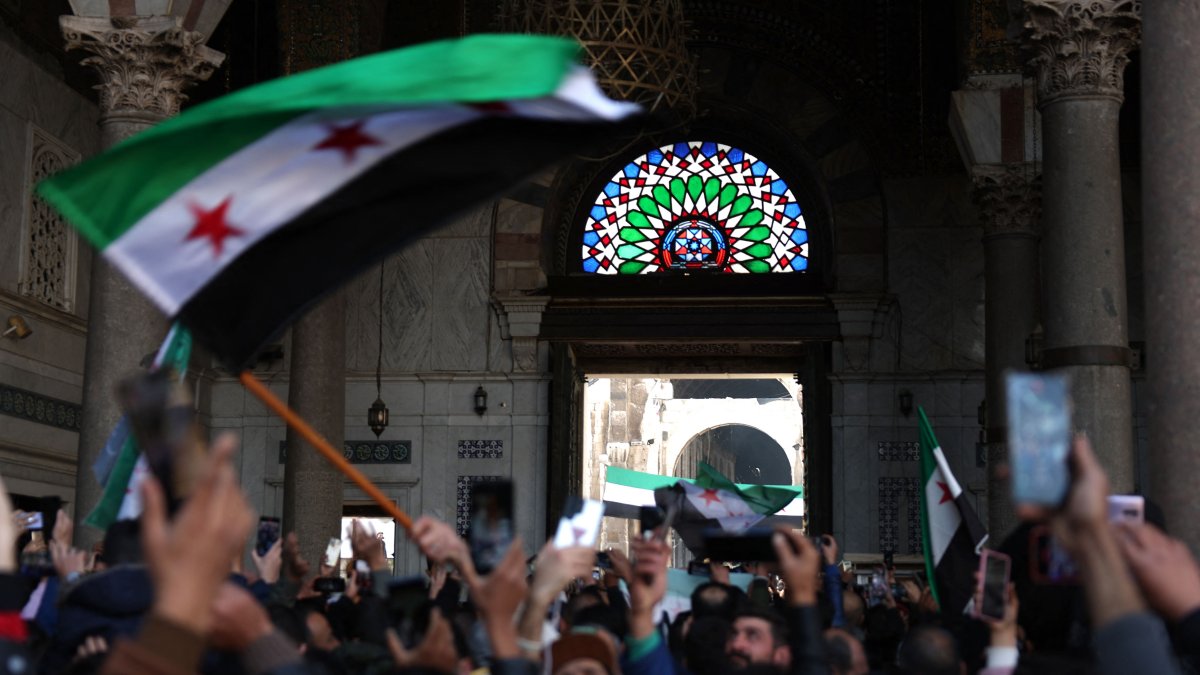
[944,519]
[624,494]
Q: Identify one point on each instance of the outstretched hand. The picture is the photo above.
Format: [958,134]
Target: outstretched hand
[188,558]
[436,652]
[1163,567]
[440,543]
[497,596]
[799,565]
[366,546]
[270,563]
[649,584]
[557,567]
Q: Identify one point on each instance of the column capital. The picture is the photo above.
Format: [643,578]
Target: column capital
[145,63]
[1009,197]
[1080,47]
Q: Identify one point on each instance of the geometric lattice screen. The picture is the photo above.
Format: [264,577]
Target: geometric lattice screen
[695,206]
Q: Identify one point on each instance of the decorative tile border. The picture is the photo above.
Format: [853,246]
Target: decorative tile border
[891,491]
[35,407]
[462,513]
[899,451]
[480,449]
[368,452]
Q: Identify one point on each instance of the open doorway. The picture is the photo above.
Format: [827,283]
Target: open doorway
[750,427]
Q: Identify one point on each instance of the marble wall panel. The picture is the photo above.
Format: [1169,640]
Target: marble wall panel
[460,313]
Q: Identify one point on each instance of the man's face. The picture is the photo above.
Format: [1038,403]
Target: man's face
[751,642]
[582,666]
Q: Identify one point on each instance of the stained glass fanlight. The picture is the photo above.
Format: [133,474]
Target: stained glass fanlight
[695,206]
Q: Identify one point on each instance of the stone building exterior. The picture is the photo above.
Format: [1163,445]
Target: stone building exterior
[942,180]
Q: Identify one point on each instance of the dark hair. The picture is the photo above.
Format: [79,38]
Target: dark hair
[704,646]
[774,620]
[714,599]
[928,651]
[580,601]
[837,652]
[122,543]
[289,622]
[602,616]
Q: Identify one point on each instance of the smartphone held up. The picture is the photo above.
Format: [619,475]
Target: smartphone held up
[1039,437]
[995,569]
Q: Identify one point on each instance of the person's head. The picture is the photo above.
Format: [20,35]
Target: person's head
[704,646]
[122,543]
[320,633]
[588,597]
[846,654]
[602,618]
[928,650]
[758,637]
[583,654]
[854,609]
[714,599]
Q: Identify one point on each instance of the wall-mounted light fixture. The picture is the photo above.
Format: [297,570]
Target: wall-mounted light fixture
[17,329]
[906,402]
[480,400]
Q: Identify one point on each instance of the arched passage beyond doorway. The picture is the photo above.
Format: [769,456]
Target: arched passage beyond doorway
[741,452]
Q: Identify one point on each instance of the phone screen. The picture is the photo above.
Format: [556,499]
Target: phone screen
[408,608]
[1126,509]
[333,552]
[1039,436]
[491,529]
[268,534]
[995,585]
[1049,561]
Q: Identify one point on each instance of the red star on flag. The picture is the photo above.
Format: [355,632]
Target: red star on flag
[212,225]
[946,496]
[709,496]
[348,139]
[578,532]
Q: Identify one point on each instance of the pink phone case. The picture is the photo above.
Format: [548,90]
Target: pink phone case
[982,585]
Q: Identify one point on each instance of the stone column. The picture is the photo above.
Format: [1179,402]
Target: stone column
[1080,49]
[144,63]
[1171,184]
[1009,198]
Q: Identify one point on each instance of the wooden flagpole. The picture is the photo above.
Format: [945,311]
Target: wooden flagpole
[255,386]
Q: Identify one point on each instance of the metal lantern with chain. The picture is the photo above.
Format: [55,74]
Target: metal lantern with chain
[377,414]
[636,48]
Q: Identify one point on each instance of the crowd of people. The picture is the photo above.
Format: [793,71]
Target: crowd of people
[168,594]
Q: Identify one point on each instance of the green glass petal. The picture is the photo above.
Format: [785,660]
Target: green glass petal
[752,218]
[757,266]
[741,205]
[662,196]
[638,219]
[694,185]
[632,267]
[678,189]
[650,208]
[629,251]
[727,194]
[756,234]
[631,235]
[757,250]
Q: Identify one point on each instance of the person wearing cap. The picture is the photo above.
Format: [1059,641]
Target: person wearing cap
[583,654]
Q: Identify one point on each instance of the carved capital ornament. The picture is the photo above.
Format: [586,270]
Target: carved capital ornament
[1080,47]
[145,63]
[1009,198]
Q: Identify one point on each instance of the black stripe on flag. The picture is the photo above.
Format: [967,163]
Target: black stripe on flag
[399,200]
[956,570]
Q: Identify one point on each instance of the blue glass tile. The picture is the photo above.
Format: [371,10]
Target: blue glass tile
[655,157]
[708,149]
[599,212]
[631,170]
[682,149]
[736,155]
[792,210]
[799,236]
[612,189]
[799,263]
[758,169]
[778,187]
[591,265]
[591,238]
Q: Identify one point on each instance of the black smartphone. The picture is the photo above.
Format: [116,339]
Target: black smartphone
[1039,437]
[699,568]
[268,534]
[162,420]
[329,585]
[408,607]
[491,529]
[753,545]
[994,573]
[650,518]
[603,560]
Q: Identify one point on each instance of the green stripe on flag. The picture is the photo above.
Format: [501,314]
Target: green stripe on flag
[652,481]
[106,195]
[764,499]
[928,465]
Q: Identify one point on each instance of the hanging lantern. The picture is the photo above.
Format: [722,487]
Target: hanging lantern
[635,48]
[377,416]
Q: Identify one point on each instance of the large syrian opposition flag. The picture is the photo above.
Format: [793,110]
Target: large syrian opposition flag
[626,490]
[715,502]
[240,212]
[953,535]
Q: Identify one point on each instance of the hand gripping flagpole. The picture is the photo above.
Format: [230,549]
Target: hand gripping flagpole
[255,386]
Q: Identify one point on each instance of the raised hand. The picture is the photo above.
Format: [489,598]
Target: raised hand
[64,527]
[270,563]
[799,565]
[829,549]
[367,546]
[1163,567]
[240,619]
[188,559]
[556,567]
[441,543]
[621,564]
[295,567]
[67,559]
[435,653]
[649,584]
